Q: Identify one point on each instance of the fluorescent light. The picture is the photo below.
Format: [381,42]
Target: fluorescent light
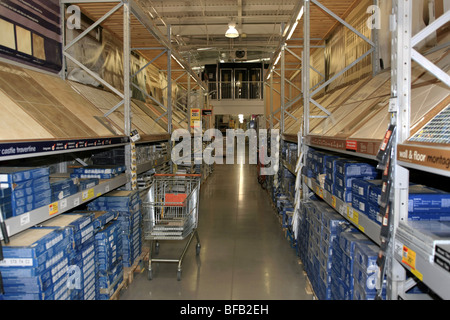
[232,32]
[299,17]
[292,30]
[300,14]
[278,59]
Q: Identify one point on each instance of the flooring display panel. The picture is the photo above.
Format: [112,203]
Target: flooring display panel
[105,101]
[19,124]
[82,108]
[34,99]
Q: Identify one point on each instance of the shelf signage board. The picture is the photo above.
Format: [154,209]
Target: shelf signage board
[31,33]
[437,158]
[196,117]
[363,147]
[207,112]
[31,148]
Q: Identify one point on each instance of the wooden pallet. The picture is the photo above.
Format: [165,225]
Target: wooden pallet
[128,273]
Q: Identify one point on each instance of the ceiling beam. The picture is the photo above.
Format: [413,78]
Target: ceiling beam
[166,9]
[219,30]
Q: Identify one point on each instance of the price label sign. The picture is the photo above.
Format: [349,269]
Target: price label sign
[409,258]
[88,194]
[53,208]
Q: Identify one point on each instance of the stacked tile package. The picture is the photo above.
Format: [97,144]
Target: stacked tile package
[359,184]
[127,206]
[29,189]
[424,203]
[109,258]
[35,265]
[337,257]
[98,171]
[6,202]
[82,273]
[107,243]
[75,256]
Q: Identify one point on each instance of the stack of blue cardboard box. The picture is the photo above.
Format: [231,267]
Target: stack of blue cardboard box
[348,170]
[366,196]
[35,265]
[62,188]
[125,233]
[6,202]
[317,230]
[109,258]
[354,266]
[82,272]
[425,203]
[97,171]
[126,204]
[289,153]
[30,188]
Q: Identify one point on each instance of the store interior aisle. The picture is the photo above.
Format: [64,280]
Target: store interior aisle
[244,254]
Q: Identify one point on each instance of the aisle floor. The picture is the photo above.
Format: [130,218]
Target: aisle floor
[244,253]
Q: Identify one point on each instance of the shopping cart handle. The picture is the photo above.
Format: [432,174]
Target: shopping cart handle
[176,175]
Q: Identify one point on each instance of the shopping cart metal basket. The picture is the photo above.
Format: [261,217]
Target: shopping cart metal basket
[170,212]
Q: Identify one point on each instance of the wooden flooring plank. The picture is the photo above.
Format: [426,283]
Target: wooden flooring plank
[17,124]
[82,108]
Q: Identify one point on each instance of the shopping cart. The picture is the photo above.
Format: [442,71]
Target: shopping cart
[170,212]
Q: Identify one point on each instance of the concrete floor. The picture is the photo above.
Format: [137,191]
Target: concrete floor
[244,254]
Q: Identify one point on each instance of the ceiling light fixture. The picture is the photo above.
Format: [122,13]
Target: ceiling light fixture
[232,31]
[299,17]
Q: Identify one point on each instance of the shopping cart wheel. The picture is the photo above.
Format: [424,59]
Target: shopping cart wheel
[179,275]
[198,248]
[149,274]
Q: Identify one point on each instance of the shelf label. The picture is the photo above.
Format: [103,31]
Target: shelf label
[333,201]
[88,194]
[53,208]
[63,204]
[351,145]
[409,258]
[319,191]
[353,215]
[25,219]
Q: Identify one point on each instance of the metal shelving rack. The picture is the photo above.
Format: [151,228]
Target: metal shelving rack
[130,8]
[413,246]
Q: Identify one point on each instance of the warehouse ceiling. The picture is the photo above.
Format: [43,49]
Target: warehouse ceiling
[199,26]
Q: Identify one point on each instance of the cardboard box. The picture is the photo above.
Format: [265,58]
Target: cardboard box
[100,218]
[26,247]
[361,186]
[349,168]
[375,191]
[343,194]
[19,174]
[81,225]
[102,176]
[373,212]
[366,255]
[426,199]
[104,169]
[88,183]
[360,204]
